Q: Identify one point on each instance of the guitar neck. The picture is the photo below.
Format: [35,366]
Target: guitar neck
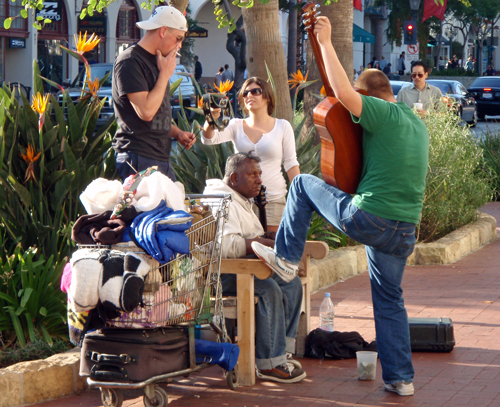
[321,64]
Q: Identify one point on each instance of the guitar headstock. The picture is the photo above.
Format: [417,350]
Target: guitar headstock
[261,199]
[309,14]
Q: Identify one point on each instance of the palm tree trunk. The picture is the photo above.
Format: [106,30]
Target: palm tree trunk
[264,47]
[292,39]
[340,15]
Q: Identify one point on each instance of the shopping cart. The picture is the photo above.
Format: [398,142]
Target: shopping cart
[186,292]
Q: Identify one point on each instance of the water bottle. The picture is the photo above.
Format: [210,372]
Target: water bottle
[326,314]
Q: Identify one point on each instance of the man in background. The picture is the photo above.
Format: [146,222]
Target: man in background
[198,69]
[227,75]
[420,91]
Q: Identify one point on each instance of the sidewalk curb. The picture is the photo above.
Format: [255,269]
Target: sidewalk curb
[346,262]
[58,376]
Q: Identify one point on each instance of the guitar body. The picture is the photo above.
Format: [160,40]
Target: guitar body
[341,145]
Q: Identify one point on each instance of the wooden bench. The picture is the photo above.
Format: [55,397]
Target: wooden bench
[246,270]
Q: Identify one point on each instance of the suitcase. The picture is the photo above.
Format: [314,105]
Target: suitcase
[116,354]
[431,334]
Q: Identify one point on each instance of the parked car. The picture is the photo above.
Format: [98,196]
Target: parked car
[398,85]
[486,92]
[100,70]
[454,91]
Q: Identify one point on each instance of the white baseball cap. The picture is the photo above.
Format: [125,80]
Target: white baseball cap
[164,16]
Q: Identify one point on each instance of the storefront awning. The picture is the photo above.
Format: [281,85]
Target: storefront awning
[360,35]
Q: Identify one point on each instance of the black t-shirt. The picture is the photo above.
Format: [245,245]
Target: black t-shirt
[136,70]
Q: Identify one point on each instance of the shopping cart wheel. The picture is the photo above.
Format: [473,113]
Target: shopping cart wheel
[161,398]
[232,378]
[111,397]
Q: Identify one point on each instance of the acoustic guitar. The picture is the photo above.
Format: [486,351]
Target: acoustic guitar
[341,138]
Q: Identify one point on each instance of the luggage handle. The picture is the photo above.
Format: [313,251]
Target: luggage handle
[106,375]
[122,359]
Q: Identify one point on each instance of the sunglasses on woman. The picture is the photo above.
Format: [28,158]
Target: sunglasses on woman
[254,92]
[420,75]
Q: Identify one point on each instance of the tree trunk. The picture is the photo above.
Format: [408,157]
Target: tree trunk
[264,47]
[340,15]
[180,5]
[292,39]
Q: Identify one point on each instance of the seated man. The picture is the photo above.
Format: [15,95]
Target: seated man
[278,309]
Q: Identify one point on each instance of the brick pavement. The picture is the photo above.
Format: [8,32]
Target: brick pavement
[467,292]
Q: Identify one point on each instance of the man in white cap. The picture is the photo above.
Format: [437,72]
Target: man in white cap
[141,96]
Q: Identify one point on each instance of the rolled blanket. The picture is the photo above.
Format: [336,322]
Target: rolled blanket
[161,232]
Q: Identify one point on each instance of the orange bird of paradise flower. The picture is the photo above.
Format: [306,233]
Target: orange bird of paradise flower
[322,92]
[297,78]
[86,45]
[30,158]
[39,105]
[225,87]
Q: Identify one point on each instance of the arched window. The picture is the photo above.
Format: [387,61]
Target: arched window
[127,32]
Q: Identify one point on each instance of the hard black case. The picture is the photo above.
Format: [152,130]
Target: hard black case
[431,334]
[116,354]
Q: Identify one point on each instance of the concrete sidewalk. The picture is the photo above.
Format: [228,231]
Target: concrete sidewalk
[467,292]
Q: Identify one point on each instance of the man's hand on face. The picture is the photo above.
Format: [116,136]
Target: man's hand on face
[167,63]
[186,138]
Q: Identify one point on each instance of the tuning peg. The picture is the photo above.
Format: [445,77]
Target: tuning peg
[317,14]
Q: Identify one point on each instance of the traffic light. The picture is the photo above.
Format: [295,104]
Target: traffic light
[410,32]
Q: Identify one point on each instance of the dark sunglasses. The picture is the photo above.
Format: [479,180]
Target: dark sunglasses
[420,75]
[254,92]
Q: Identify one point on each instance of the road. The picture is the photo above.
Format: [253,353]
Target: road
[492,124]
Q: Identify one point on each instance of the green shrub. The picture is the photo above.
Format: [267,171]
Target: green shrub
[458,181]
[490,144]
[38,349]
[39,194]
[31,302]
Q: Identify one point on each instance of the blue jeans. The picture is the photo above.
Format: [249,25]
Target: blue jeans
[277,316]
[140,163]
[388,245]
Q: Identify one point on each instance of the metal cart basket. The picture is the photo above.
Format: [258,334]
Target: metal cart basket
[184,292]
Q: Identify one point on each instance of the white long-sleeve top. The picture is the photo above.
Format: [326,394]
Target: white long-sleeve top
[274,148]
[241,223]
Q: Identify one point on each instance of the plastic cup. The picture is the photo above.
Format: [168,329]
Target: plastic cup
[367,365]
[419,106]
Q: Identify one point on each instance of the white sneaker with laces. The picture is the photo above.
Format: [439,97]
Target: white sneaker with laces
[403,389]
[282,268]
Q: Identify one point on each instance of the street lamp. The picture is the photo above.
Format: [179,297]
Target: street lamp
[414,5]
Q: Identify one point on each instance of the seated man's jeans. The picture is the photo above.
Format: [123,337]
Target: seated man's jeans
[388,244]
[140,163]
[277,316]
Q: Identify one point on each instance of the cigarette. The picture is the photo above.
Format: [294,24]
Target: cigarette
[178,54]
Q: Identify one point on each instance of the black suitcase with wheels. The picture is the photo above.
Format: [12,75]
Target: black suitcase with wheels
[116,354]
[431,334]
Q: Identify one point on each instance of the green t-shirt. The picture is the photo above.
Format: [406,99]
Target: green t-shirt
[395,159]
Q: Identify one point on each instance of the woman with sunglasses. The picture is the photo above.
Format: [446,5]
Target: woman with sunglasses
[269,138]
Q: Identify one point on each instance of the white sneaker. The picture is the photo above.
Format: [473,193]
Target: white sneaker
[403,389]
[282,268]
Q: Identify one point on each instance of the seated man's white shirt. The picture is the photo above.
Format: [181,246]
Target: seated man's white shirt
[241,224]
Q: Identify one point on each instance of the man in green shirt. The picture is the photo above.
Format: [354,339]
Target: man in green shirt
[382,214]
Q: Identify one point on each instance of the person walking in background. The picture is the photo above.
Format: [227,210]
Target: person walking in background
[218,76]
[383,213]
[420,91]
[271,139]
[401,64]
[469,65]
[141,96]
[227,75]
[198,69]
[383,63]
[441,63]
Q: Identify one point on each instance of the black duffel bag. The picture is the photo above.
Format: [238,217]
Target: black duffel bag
[115,354]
